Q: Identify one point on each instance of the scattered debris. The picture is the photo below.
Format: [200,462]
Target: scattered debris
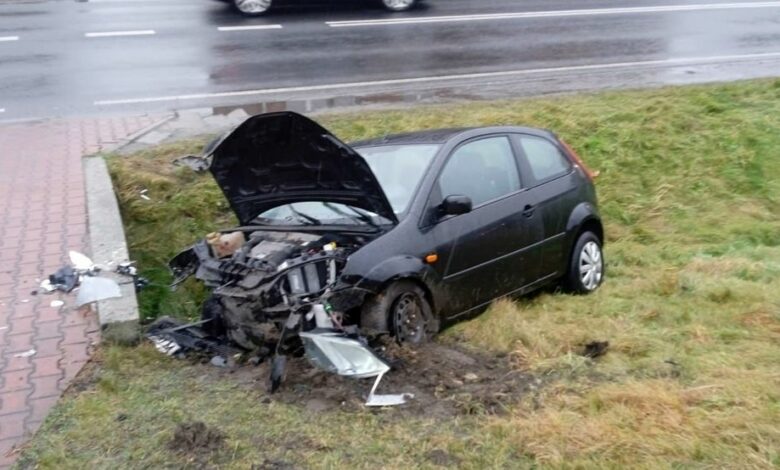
[28,353]
[595,349]
[196,437]
[128,268]
[143,194]
[94,289]
[64,279]
[121,417]
[195,163]
[470,377]
[82,263]
[56,303]
[46,286]
[219,361]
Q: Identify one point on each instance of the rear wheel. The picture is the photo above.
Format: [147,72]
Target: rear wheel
[252,7]
[403,311]
[586,266]
[398,5]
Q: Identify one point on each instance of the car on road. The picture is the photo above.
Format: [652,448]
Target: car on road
[260,7]
[397,235]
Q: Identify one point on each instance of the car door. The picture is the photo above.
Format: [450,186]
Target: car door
[483,253]
[550,176]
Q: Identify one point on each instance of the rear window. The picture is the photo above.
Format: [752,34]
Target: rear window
[545,159]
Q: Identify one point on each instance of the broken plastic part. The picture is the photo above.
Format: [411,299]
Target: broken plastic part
[94,289]
[64,279]
[386,400]
[195,163]
[334,352]
[80,261]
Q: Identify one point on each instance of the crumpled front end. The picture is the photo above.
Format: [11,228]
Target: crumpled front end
[258,278]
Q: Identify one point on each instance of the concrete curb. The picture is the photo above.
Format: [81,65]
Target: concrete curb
[119,318]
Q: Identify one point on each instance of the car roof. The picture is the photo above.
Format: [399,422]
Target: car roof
[431,136]
[440,136]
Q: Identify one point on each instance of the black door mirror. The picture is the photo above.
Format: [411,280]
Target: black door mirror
[455,204]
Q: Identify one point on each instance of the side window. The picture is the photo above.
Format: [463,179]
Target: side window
[544,158]
[482,170]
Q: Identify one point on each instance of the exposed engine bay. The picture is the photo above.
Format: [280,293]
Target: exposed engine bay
[258,278]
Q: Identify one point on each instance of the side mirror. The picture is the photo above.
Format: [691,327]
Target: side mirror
[455,204]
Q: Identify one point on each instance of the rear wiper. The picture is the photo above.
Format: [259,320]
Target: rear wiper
[311,220]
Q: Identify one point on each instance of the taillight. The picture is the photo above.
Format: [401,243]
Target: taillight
[590,173]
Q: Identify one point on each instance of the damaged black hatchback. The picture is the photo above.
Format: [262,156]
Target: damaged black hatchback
[396,235]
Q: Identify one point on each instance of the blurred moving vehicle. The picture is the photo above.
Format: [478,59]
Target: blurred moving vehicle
[259,7]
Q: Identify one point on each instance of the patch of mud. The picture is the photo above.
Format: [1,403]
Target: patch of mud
[445,380]
[196,438]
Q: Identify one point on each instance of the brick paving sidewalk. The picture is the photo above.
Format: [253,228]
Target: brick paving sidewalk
[43,214]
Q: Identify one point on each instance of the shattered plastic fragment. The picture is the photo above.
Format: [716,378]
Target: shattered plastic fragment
[64,279]
[57,303]
[97,288]
[80,262]
[165,345]
[197,164]
[29,353]
[47,287]
[143,193]
[219,361]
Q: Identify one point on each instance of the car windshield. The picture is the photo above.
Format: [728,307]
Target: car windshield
[320,213]
[399,169]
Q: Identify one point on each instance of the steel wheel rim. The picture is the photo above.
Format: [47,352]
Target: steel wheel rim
[409,319]
[398,4]
[591,265]
[253,6]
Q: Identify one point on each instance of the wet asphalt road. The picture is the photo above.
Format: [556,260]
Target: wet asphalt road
[60,58]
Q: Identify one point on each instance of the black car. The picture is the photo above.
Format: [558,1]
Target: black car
[400,234]
[260,7]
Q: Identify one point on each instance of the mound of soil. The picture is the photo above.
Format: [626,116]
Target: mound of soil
[445,380]
[196,438]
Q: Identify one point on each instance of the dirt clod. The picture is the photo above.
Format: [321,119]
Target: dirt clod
[442,458]
[196,437]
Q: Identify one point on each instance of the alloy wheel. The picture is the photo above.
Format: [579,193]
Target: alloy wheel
[591,265]
[398,5]
[253,7]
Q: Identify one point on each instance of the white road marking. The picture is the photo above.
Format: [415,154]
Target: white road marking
[106,34]
[552,13]
[249,28]
[442,78]
[9,38]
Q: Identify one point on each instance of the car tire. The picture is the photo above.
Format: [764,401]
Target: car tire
[586,266]
[398,5]
[252,7]
[401,310]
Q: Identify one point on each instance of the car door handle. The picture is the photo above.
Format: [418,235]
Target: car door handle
[528,210]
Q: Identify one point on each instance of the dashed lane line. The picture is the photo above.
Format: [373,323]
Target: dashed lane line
[106,34]
[249,27]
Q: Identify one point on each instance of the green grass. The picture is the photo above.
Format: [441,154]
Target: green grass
[690,193]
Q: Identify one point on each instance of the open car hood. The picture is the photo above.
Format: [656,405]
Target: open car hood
[279,158]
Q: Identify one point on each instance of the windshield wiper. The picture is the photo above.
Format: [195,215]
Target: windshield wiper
[360,217]
[311,220]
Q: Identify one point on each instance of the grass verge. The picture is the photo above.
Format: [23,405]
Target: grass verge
[690,192]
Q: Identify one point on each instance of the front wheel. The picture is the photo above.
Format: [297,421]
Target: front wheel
[403,311]
[252,7]
[586,266]
[398,5]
